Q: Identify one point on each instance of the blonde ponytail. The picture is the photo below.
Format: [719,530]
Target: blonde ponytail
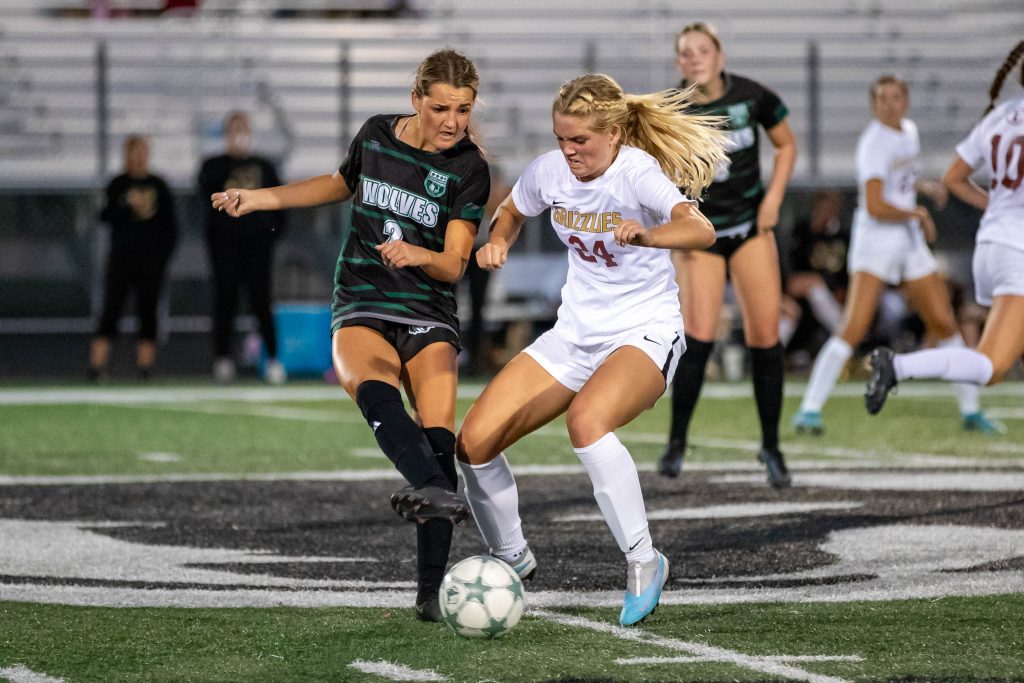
[688,147]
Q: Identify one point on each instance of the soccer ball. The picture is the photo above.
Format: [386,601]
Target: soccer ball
[481,597]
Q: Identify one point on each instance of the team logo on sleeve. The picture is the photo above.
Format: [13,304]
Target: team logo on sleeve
[392,231]
[436,183]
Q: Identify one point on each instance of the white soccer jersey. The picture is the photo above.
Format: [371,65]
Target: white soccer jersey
[890,156]
[997,143]
[609,289]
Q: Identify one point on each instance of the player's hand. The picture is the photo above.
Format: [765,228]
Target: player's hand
[401,254]
[630,232]
[767,215]
[935,191]
[927,225]
[236,202]
[491,256]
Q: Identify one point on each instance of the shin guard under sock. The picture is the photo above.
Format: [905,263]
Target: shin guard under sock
[686,386]
[398,435]
[768,366]
[434,537]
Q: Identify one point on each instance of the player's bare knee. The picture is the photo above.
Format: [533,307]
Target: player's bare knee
[472,444]
[583,427]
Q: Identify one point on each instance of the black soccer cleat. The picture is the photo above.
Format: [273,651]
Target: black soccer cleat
[778,474]
[430,502]
[429,609]
[671,462]
[882,381]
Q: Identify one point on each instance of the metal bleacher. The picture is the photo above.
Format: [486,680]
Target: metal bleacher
[73,84]
[310,83]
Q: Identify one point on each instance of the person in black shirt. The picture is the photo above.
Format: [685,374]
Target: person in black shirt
[744,213]
[418,185]
[140,212]
[817,275]
[241,251]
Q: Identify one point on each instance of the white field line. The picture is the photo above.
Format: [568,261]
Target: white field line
[523,470]
[784,658]
[727,468]
[21,674]
[725,511]
[709,652]
[712,391]
[160,457]
[396,672]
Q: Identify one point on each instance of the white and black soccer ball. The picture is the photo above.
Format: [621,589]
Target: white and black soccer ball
[481,597]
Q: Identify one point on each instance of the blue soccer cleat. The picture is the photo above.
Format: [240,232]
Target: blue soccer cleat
[983,424]
[808,422]
[644,581]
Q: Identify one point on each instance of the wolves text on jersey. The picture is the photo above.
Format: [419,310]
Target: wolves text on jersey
[400,201]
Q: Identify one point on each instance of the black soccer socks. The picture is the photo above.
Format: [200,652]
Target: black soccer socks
[768,367]
[686,386]
[399,436]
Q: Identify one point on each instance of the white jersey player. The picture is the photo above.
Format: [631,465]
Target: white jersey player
[996,145]
[618,214]
[889,246]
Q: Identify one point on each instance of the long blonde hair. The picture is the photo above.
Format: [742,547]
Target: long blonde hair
[688,147]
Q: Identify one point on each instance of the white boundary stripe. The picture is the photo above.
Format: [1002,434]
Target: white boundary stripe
[21,674]
[709,652]
[694,660]
[724,511]
[396,672]
[805,466]
[313,392]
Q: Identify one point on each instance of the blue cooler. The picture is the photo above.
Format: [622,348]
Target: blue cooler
[303,338]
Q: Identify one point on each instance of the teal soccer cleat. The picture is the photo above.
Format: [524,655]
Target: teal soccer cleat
[644,581]
[808,422]
[983,424]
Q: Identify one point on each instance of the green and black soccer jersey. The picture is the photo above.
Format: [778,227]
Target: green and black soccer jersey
[403,193]
[732,199]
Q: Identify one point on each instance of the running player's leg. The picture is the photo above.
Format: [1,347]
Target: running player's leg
[369,368]
[520,399]
[701,279]
[930,298]
[597,411]
[861,301]
[431,378]
[1001,346]
[754,270]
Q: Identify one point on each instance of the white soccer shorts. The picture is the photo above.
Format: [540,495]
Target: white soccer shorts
[573,365]
[998,271]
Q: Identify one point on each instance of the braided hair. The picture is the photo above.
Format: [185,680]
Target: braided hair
[1008,64]
[687,147]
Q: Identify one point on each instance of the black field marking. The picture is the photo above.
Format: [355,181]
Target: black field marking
[291,519]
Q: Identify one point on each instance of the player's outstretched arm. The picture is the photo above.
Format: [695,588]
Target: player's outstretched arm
[688,229]
[504,231]
[315,191]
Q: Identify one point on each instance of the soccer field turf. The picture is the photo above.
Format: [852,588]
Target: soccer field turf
[193,533]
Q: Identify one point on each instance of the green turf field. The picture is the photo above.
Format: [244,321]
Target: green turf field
[56,441]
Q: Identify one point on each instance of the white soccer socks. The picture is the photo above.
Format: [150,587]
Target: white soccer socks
[827,368]
[617,490]
[950,364]
[491,492]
